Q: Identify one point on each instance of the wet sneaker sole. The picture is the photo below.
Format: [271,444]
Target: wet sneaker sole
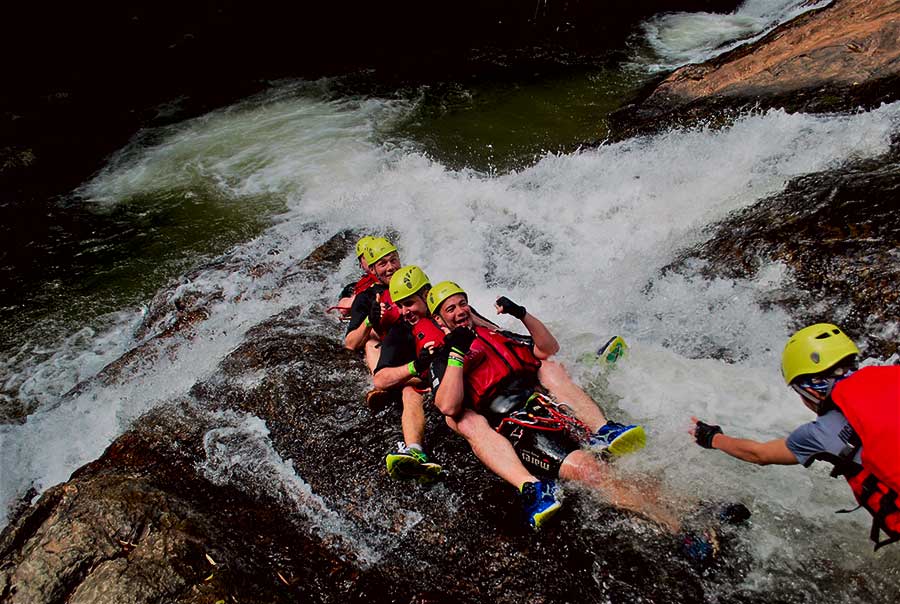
[629,442]
[539,519]
[404,467]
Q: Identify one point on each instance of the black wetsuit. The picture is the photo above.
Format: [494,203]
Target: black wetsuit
[362,304]
[398,347]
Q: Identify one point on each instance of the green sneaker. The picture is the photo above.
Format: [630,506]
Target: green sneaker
[411,464]
[613,350]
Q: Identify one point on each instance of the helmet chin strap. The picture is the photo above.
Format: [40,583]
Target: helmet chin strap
[811,395]
[819,393]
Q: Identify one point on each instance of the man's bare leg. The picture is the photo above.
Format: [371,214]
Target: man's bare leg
[412,421]
[559,383]
[492,448]
[583,467]
[373,352]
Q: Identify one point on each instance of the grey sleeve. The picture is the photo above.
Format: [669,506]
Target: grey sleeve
[827,433]
[804,441]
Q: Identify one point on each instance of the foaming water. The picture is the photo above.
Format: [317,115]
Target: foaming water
[239,453]
[677,39]
[579,239]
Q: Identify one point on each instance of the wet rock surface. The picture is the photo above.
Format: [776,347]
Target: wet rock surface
[187,507]
[839,233]
[837,58]
[266,483]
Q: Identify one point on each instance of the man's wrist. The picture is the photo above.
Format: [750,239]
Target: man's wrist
[411,367]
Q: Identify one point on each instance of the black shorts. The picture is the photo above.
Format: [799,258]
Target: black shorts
[541,450]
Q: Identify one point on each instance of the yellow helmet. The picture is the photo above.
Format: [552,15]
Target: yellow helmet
[815,349]
[362,244]
[441,292]
[407,281]
[378,248]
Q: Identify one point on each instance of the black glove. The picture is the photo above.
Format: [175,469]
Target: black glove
[423,361]
[460,338]
[703,434]
[509,307]
[374,315]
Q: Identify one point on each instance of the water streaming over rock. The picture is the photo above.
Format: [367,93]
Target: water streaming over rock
[581,239]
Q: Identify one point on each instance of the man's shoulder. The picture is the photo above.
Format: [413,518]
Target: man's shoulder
[828,433]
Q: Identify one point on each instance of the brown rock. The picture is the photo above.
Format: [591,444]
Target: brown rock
[835,58]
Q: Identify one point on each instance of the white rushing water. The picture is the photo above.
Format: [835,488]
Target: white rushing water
[680,38]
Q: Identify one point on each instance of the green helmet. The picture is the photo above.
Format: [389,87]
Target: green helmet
[406,282]
[362,244]
[441,292]
[815,349]
[378,248]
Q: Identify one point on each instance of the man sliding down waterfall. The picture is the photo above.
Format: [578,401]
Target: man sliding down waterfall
[372,316]
[372,312]
[857,428]
[487,382]
[348,294]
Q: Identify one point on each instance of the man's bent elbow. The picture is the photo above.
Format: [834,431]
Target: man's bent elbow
[449,408]
[380,381]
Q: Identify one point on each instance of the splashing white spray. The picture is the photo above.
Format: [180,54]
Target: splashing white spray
[677,39]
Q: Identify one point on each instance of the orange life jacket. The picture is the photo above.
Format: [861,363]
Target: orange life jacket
[870,400]
[492,362]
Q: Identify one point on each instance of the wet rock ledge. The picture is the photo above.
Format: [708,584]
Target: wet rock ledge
[266,484]
[837,58]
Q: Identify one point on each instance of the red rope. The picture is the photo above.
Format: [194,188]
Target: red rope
[557,422]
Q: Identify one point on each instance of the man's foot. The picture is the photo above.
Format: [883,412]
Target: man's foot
[613,350]
[377,399]
[618,439]
[411,464]
[540,502]
[701,547]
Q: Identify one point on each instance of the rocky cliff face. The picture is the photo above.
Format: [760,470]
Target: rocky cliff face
[833,59]
[836,230]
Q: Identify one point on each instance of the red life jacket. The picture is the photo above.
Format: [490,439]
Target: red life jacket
[492,361]
[870,400]
[427,330]
[364,283]
[390,314]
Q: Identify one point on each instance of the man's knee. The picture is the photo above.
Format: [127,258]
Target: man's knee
[411,396]
[552,372]
[468,424]
[581,465]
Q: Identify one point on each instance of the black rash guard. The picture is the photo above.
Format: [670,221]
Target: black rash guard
[398,347]
[362,304]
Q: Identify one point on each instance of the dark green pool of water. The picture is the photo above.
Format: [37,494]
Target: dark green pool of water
[495,128]
[96,260]
[65,265]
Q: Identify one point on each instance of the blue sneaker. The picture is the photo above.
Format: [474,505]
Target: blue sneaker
[701,547]
[540,502]
[619,439]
